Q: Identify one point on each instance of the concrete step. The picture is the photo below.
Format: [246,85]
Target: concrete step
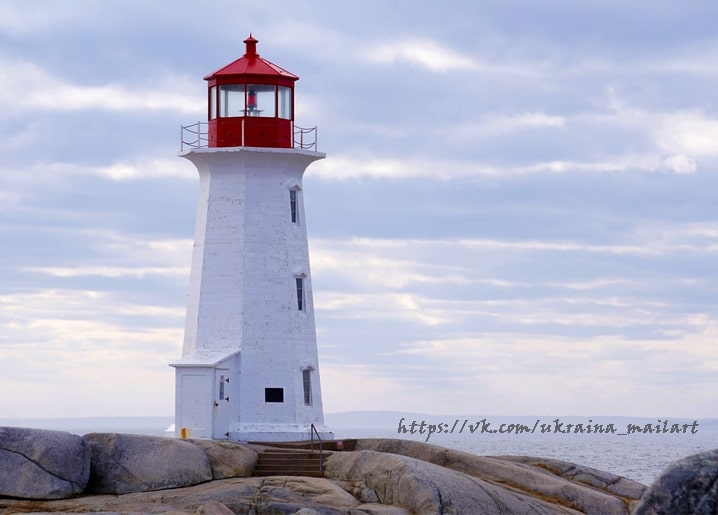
[327,445]
[288,462]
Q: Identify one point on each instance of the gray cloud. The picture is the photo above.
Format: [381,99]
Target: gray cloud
[516,213]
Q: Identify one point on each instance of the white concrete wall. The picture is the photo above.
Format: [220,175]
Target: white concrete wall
[242,293]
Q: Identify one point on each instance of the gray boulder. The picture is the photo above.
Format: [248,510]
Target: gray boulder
[214,508]
[421,487]
[561,483]
[228,459]
[41,464]
[132,463]
[622,487]
[689,485]
[268,495]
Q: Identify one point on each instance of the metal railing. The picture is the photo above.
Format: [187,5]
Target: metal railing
[321,448]
[305,138]
[196,135]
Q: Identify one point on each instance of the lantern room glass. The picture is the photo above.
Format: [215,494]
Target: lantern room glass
[261,100]
[231,100]
[284,101]
[213,102]
[257,100]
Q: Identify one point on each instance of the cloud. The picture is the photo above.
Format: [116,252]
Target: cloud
[42,91]
[504,374]
[345,168]
[527,373]
[687,133]
[499,124]
[150,168]
[23,19]
[679,137]
[671,142]
[680,164]
[109,271]
[423,52]
[537,237]
[133,169]
[458,285]
[111,254]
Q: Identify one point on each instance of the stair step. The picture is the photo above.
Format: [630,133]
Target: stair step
[305,473]
[285,466]
[288,462]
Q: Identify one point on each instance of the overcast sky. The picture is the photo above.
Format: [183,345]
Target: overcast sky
[517,213]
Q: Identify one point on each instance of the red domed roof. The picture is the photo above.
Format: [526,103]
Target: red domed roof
[251,64]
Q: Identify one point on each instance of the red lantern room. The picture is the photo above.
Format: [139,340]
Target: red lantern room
[251,103]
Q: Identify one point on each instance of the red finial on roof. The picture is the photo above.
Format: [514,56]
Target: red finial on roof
[251,46]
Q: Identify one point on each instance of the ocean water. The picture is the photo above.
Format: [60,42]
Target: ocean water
[638,456]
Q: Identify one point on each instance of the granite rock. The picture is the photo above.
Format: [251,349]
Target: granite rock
[213,508]
[689,485]
[148,474]
[565,484]
[255,495]
[228,459]
[41,464]
[422,487]
[123,463]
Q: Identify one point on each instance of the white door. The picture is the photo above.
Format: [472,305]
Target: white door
[220,424]
[195,412]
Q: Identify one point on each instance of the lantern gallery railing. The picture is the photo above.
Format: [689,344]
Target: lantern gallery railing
[305,138]
[196,135]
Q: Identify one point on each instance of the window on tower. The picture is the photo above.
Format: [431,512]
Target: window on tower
[307,380]
[300,293]
[293,206]
[274,395]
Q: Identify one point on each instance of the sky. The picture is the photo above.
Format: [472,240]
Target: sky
[517,213]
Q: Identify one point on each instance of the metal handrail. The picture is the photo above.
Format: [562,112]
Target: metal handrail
[299,137]
[196,135]
[321,448]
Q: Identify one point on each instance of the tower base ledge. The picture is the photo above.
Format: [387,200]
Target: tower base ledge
[277,432]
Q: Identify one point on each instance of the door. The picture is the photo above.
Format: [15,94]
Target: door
[220,425]
[194,413]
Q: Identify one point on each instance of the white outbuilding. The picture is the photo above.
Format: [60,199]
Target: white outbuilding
[249,369]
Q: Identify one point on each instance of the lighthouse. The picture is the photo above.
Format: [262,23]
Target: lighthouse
[249,369]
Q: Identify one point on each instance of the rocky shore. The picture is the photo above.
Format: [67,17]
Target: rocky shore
[55,472]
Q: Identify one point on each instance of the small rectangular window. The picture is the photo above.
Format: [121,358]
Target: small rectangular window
[274,395]
[293,205]
[300,293]
[213,102]
[307,379]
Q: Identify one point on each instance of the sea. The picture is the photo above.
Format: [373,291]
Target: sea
[638,448]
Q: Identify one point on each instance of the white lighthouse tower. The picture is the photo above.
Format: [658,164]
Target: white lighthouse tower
[249,369]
